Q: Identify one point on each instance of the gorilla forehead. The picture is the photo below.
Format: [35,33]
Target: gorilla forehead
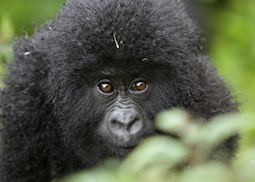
[124,30]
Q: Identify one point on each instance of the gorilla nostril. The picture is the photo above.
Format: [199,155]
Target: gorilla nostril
[135,126]
[114,122]
[116,125]
[124,125]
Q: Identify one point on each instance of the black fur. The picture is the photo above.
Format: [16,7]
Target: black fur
[49,113]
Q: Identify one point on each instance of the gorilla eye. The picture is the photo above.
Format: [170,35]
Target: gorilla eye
[105,86]
[139,86]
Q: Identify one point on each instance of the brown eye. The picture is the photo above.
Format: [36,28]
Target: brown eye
[106,87]
[139,86]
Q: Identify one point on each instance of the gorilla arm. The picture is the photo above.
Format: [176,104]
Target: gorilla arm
[24,117]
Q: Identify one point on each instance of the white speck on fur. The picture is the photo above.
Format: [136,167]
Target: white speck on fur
[115,40]
[27,53]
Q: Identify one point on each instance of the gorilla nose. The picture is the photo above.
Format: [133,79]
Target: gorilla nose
[124,122]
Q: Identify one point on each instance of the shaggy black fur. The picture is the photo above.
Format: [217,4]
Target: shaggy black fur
[49,112]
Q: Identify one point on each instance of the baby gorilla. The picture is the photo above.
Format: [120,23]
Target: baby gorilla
[88,85]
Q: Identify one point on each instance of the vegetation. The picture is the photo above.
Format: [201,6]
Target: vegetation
[184,160]
[231,26]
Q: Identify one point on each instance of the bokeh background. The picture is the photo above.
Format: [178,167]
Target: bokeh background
[229,27]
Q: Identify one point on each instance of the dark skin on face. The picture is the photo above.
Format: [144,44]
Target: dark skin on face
[125,122]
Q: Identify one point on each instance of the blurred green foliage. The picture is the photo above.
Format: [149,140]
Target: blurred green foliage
[231,24]
[26,14]
[231,27]
[233,48]
[165,159]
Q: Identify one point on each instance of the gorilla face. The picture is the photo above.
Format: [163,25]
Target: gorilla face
[127,96]
[112,66]
[124,121]
[113,107]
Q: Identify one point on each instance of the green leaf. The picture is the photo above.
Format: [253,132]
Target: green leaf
[106,173]
[173,121]
[221,128]
[155,151]
[245,165]
[210,172]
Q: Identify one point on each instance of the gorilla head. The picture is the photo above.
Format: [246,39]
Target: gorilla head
[89,84]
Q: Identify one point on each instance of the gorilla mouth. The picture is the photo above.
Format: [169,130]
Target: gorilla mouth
[125,150]
[133,141]
[126,146]
[131,147]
